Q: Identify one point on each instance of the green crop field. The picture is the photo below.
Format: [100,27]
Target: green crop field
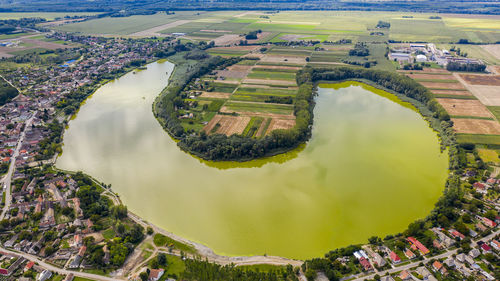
[479,139]
[273,75]
[224,88]
[259,107]
[306,25]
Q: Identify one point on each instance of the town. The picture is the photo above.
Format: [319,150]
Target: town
[63,225]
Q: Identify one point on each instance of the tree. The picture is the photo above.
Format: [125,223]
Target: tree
[311,274]
[143,276]
[162,259]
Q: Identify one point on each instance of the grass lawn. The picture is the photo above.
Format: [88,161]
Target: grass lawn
[488,155]
[259,107]
[161,240]
[82,279]
[478,139]
[495,110]
[271,75]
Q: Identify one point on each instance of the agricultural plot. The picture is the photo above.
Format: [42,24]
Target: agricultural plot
[227,125]
[464,107]
[453,85]
[247,107]
[484,87]
[476,126]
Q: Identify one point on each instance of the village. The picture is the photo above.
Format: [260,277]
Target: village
[42,217]
[47,230]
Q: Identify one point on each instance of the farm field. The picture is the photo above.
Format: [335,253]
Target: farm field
[29,43]
[301,25]
[245,99]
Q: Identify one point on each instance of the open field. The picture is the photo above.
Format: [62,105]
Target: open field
[419,76]
[476,126]
[244,107]
[488,155]
[306,25]
[443,85]
[155,31]
[478,139]
[451,92]
[491,80]
[464,107]
[227,125]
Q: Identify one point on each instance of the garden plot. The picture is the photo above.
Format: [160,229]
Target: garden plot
[284,59]
[451,92]
[277,124]
[215,95]
[476,126]
[464,107]
[419,76]
[227,125]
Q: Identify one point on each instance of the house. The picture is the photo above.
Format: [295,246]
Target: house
[366,264]
[495,244]
[437,245]
[438,267]
[405,275]
[457,234]
[488,222]
[481,227]
[474,253]
[395,258]
[423,250]
[409,254]
[45,275]
[29,265]
[485,248]
[378,260]
[480,187]
[155,274]
[400,57]
[450,262]
[423,272]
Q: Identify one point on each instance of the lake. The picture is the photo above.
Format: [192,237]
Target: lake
[372,166]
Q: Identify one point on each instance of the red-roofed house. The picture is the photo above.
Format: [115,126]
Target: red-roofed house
[394,257]
[365,263]
[29,265]
[485,248]
[409,254]
[419,245]
[155,274]
[456,234]
[489,222]
[438,267]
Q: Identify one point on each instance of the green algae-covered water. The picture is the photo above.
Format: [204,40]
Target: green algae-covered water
[371,167]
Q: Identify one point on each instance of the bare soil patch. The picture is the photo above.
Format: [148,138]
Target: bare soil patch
[435,70]
[438,85]
[235,71]
[284,59]
[461,107]
[476,126]
[431,76]
[234,48]
[290,116]
[474,79]
[280,124]
[227,39]
[229,125]
[215,95]
[488,95]
[451,92]
[493,49]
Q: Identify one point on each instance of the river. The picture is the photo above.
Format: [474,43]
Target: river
[372,166]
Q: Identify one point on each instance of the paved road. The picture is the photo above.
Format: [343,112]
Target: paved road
[416,263]
[59,270]
[12,167]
